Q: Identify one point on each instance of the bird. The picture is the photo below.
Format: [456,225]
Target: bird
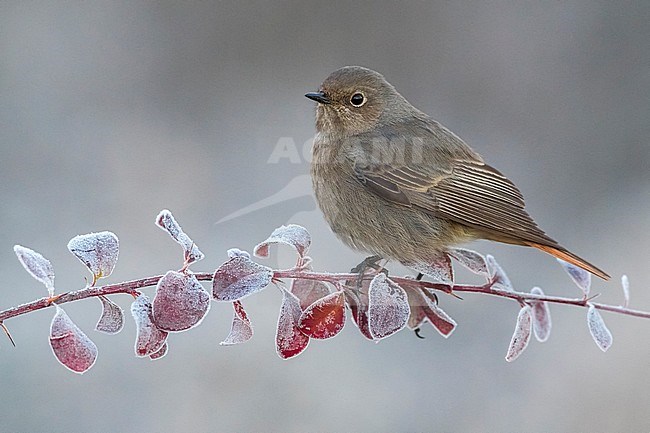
[392,181]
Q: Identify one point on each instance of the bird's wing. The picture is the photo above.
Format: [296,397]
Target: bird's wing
[467,191]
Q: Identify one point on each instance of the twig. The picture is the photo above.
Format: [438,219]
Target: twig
[131,287]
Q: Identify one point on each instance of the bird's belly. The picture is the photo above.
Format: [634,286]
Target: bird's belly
[371,224]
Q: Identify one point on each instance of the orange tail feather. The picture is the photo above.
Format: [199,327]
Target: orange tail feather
[569,257]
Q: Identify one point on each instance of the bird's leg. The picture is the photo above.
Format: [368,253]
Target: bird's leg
[432,296]
[371,262]
[417,330]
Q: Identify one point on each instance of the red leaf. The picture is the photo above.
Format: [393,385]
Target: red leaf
[289,340]
[358,303]
[423,308]
[180,302]
[293,235]
[149,339]
[112,318]
[70,345]
[521,336]
[160,353]
[308,291]
[241,330]
[324,318]
[239,277]
[388,308]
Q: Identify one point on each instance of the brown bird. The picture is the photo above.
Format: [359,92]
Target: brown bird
[392,181]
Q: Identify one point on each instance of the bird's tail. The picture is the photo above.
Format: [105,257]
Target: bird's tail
[569,257]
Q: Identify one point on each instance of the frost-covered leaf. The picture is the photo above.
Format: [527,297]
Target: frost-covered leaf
[625,283]
[235,252]
[293,235]
[239,277]
[437,266]
[502,282]
[289,340]
[165,220]
[388,308]
[423,308]
[160,353]
[358,304]
[598,329]
[180,302]
[472,260]
[98,251]
[112,319]
[70,345]
[38,266]
[324,318]
[521,336]
[241,330]
[149,339]
[541,317]
[308,291]
[580,277]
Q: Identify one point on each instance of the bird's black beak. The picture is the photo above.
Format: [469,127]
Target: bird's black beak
[319,97]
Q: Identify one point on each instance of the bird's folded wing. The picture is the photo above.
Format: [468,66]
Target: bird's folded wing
[469,192]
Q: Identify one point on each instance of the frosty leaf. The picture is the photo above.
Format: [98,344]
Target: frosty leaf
[358,303]
[472,260]
[239,277]
[293,235]
[423,308]
[180,303]
[625,283]
[289,340]
[38,266]
[70,345]
[440,320]
[324,318]
[437,266]
[112,319]
[149,339]
[502,282]
[241,330]
[98,251]
[308,291]
[541,317]
[388,308]
[160,353]
[235,252]
[521,336]
[598,329]
[579,276]
[165,220]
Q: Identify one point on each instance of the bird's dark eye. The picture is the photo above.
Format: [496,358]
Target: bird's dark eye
[357,99]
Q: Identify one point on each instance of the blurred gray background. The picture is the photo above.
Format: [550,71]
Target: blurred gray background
[112,111]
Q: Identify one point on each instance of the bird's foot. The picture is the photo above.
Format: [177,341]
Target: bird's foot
[371,262]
